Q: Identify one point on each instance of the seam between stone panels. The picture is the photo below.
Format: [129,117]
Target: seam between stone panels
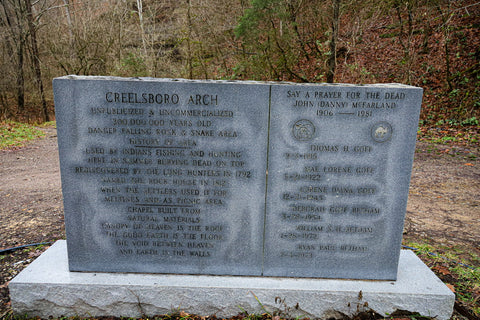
[266,178]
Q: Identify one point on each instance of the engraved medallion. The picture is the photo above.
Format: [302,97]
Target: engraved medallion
[303,130]
[381,132]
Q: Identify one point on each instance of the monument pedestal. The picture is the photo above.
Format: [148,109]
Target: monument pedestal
[46,288]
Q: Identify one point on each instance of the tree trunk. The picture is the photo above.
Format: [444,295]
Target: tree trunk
[20,61]
[446,34]
[70,29]
[36,58]
[189,39]
[14,15]
[142,27]
[332,59]
[20,78]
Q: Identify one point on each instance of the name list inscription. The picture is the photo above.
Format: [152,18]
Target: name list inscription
[329,200]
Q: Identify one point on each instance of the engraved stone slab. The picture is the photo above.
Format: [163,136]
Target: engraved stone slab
[163,176]
[339,169]
[235,178]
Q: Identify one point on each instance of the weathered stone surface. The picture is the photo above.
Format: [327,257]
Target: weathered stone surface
[163,176]
[339,168]
[235,178]
[46,288]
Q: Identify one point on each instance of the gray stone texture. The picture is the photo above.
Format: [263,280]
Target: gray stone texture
[162,176]
[339,169]
[235,178]
[47,288]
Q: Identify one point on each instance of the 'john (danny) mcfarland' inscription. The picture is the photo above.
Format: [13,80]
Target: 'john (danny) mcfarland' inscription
[170,176]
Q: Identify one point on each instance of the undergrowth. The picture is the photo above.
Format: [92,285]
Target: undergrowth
[16,134]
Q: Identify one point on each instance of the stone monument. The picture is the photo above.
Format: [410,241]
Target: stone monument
[165,179]
[163,176]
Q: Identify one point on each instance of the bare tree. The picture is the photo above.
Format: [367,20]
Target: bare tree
[446,15]
[13,13]
[189,39]
[71,27]
[332,59]
[36,57]
[142,27]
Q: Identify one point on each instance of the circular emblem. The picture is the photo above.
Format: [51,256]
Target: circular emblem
[382,131]
[303,130]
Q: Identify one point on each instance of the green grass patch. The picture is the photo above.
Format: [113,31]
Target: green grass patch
[16,134]
[50,124]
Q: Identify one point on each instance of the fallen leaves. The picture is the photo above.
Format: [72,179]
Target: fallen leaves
[451,287]
[442,270]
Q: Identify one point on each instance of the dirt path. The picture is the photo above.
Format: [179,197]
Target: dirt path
[443,207]
[444,199]
[31,208]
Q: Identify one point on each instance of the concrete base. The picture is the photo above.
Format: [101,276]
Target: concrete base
[46,288]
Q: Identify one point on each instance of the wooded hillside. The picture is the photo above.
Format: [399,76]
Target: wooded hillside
[434,44]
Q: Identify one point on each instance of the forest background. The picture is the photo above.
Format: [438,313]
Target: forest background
[434,44]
